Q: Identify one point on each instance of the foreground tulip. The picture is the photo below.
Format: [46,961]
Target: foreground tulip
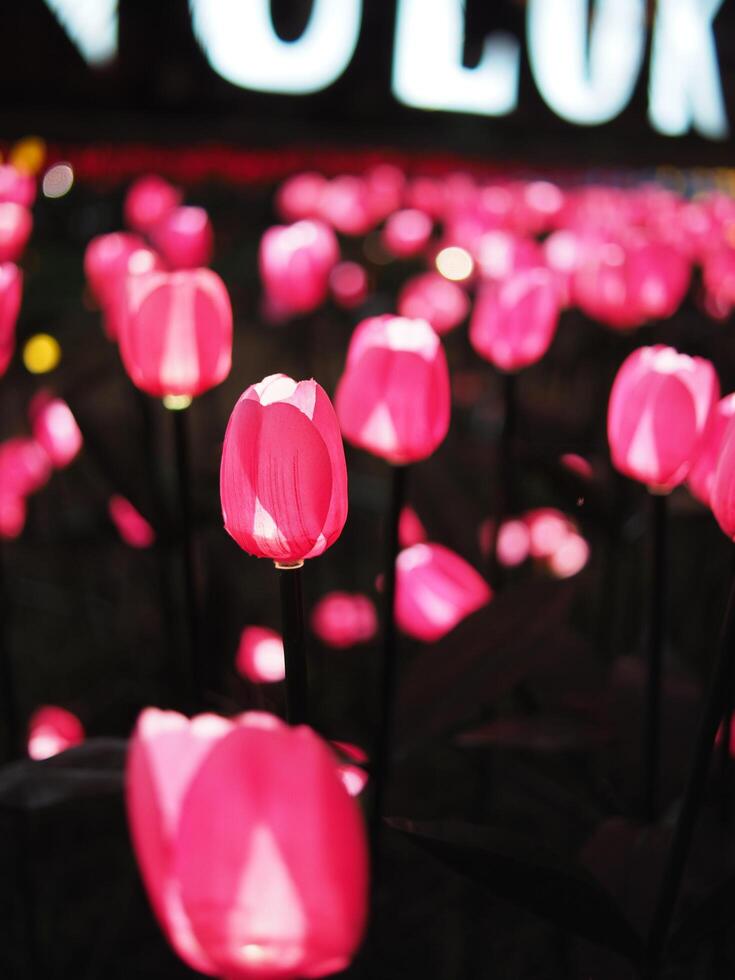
[184,237]
[148,201]
[393,398]
[11,287]
[52,730]
[295,262]
[435,590]
[659,408]
[702,473]
[283,479]
[252,887]
[341,619]
[260,656]
[514,321]
[177,334]
[55,429]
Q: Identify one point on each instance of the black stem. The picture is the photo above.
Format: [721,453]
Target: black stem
[8,705]
[186,544]
[505,475]
[656,629]
[721,681]
[294,648]
[389,672]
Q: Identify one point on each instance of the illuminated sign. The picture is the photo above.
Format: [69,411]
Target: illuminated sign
[585,57]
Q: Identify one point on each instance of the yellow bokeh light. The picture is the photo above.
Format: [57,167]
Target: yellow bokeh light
[454,263]
[41,353]
[176,403]
[28,154]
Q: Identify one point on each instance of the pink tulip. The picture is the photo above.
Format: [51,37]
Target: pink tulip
[245,884]
[12,514]
[702,473]
[410,529]
[55,429]
[177,334]
[722,495]
[435,590]
[52,730]
[385,186]
[283,479]
[184,237]
[659,409]
[16,224]
[577,464]
[500,254]
[132,527]
[299,196]
[570,557]
[341,619]
[512,544]
[548,529]
[260,656]
[16,186]
[406,233]
[148,201]
[346,206]
[105,260]
[514,322]
[393,398]
[25,466]
[115,301]
[432,297]
[11,290]
[295,262]
[348,283]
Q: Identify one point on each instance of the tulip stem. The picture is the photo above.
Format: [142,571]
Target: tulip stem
[10,715]
[186,543]
[656,628]
[721,682]
[389,673]
[294,648]
[504,473]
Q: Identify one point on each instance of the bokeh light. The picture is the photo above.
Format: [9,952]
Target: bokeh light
[41,353]
[454,263]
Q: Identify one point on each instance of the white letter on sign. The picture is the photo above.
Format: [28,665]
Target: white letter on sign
[427,64]
[684,88]
[241,45]
[586,76]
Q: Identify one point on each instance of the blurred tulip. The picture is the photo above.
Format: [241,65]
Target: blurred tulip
[577,464]
[354,779]
[283,479]
[25,466]
[722,495]
[55,429]
[148,201]
[393,398]
[432,297]
[702,473]
[52,730]
[295,262]
[514,322]
[184,237]
[299,196]
[570,557]
[177,334]
[548,528]
[410,529]
[385,185]
[16,224]
[435,590]
[512,545]
[500,255]
[11,290]
[105,260]
[659,409]
[260,656]
[115,302]
[132,527]
[348,283]
[342,619]
[250,888]
[406,233]
[346,205]
[16,187]
[12,514]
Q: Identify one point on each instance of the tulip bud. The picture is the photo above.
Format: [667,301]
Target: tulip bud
[11,288]
[295,262]
[283,479]
[514,322]
[659,408]
[148,201]
[184,237]
[253,887]
[177,334]
[341,620]
[435,590]
[52,730]
[393,398]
